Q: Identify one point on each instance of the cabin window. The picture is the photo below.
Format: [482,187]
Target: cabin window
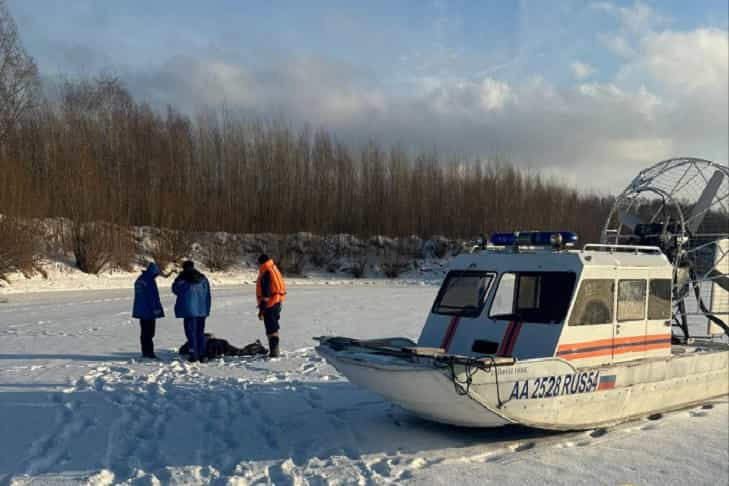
[631,300]
[533,296]
[594,303]
[463,293]
[659,299]
[503,303]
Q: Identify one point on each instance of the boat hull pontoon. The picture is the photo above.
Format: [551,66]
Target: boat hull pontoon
[546,393]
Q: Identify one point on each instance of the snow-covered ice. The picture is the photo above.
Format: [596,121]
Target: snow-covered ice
[78,406]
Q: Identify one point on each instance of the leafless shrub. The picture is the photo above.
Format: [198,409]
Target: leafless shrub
[358,266]
[439,246]
[291,262]
[92,244]
[395,264]
[412,247]
[170,249]
[288,253]
[123,248]
[399,258]
[220,254]
[324,252]
[19,249]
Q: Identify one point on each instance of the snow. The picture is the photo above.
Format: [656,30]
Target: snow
[63,276]
[78,406]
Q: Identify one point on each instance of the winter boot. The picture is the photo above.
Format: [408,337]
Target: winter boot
[273,346]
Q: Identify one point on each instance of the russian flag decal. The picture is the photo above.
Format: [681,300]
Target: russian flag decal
[607,382]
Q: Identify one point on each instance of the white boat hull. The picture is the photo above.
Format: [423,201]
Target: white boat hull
[546,393]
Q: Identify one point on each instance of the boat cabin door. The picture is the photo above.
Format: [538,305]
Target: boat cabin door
[587,339]
[630,322]
[642,327]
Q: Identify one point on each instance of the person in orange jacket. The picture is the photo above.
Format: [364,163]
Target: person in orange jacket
[270,294]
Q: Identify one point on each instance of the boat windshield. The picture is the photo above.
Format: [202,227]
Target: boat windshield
[463,293]
[533,296]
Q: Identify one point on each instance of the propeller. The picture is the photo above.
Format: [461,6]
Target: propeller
[719,278]
[629,220]
[704,203]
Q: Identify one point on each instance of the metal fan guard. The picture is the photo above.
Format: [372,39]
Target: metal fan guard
[667,191]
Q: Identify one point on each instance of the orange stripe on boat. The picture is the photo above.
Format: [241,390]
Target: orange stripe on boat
[608,351]
[611,342]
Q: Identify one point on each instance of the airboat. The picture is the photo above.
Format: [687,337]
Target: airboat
[529,329]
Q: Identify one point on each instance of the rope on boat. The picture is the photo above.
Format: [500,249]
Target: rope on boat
[470,367]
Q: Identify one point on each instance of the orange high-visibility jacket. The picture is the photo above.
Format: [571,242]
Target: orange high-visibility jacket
[278,287]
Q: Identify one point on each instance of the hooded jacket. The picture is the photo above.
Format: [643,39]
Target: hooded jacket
[147,304]
[193,294]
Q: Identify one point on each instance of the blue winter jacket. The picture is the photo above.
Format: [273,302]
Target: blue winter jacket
[193,294]
[146,295]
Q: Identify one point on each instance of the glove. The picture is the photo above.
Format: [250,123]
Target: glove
[260,315]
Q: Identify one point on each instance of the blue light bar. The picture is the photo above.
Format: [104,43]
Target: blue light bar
[503,239]
[534,238]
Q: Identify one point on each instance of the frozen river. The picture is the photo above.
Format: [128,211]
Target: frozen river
[78,406]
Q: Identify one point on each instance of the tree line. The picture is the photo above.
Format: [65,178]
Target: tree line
[96,154]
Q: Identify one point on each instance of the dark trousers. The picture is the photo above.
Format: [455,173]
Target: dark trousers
[147,326]
[195,332]
[271,317]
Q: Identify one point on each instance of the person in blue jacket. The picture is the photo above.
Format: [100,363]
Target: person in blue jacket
[147,307]
[193,306]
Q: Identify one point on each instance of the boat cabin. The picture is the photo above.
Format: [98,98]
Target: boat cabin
[529,295]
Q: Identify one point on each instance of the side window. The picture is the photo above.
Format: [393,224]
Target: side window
[659,299]
[533,296]
[631,300]
[528,292]
[463,293]
[594,303]
[503,303]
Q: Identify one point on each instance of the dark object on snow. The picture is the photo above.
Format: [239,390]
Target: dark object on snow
[216,348]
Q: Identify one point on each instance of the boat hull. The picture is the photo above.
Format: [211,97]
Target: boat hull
[548,393]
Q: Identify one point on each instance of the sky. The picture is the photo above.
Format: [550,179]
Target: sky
[589,92]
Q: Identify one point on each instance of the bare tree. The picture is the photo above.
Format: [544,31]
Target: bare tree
[19,82]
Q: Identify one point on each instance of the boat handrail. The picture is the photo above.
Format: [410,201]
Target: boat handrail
[651,250]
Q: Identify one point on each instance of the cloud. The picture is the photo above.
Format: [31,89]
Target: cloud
[636,18]
[617,44]
[688,61]
[582,70]
[669,100]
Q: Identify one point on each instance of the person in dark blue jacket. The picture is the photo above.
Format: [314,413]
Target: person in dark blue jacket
[193,306]
[147,307]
